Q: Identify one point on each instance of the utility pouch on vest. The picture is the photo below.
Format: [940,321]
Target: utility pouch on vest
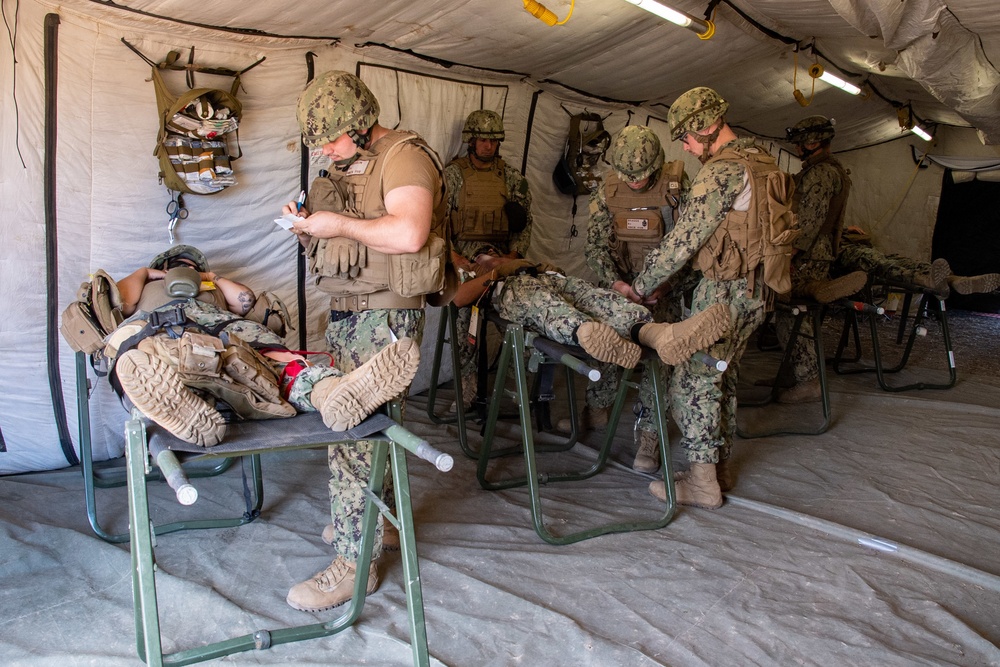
[80,330]
[200,354]
[422,272]
[331,194]
[641,231]
[249,368]
[182,282]
[721,258]
[270,311]
[105,301]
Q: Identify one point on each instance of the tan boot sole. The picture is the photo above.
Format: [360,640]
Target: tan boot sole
[982,284]
[157,390]
[362,391]
[604,344]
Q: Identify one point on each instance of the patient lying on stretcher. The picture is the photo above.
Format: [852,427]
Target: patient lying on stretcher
[187,347]
[572,311]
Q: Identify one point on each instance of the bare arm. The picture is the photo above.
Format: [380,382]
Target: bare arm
[130,287]
[239,298]
[404,228]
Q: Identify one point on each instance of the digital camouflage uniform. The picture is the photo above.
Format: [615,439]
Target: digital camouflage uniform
[703,400]
[335,104]
[517,242]
[817,184]
[859,255]
[555,306]
[600,248]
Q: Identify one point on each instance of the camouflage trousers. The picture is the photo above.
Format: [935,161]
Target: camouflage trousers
[703,401]
[466,350]
[555,306]
[352,341]
[804,363]
[860,257]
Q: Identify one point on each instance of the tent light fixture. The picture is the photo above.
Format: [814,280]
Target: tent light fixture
[546,15]
[816,71]
[921,132]
[702,27]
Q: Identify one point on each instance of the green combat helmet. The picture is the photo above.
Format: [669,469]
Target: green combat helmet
[694,111]
[636,153]
[188,252]
[811,129]
[483,124]
[333,104]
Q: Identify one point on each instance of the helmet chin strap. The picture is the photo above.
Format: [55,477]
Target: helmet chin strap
[490,159]
[360,140]
[807,153]
[707,140]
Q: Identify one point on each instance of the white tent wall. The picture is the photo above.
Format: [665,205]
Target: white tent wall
[110,209]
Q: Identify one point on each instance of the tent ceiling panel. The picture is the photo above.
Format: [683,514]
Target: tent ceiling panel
[922,54]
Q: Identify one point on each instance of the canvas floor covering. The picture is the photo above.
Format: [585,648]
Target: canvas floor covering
[875,543]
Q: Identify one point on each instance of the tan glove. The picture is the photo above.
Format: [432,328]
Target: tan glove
[344,257]
[545,267]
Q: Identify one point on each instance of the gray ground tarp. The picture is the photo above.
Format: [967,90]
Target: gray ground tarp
[873,544]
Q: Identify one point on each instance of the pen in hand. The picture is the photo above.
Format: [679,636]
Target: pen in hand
[301,201]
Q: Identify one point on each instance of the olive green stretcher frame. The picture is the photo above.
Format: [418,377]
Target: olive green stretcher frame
[800,310]
[929,302]
[521,351]
[389,446]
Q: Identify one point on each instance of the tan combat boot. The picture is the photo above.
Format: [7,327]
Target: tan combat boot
[981,284]
[594,419]
[160,394]
[808,391]
[604,344]
[724,475]
[675,343]
[330,588]
[346,400]
[698,488]
[828,291]
[647,459]
[936,279]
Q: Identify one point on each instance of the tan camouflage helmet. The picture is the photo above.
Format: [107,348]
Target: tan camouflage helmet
[811,129]
[188,252]
[333,104]
[694,111]
[483,124]
[636,153]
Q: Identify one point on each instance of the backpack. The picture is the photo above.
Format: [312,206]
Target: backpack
[196,127]
[577,172]
[763,234]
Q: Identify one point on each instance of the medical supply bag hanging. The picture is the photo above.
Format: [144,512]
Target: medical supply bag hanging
[198,136]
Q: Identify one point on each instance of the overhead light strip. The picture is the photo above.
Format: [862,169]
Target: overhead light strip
[704,29]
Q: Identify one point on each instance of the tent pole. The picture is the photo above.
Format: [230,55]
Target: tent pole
[51,246]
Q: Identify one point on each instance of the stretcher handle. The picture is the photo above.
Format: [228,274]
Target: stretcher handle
[173,473]
[710,361]
[565,357]
[417,445]
[861,307]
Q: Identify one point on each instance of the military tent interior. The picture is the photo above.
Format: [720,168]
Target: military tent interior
[875,542]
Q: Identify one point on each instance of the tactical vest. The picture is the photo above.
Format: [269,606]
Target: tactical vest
[387,281]
[638,216]
[480,214]
[154,294]
[833,226]
[761,234]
